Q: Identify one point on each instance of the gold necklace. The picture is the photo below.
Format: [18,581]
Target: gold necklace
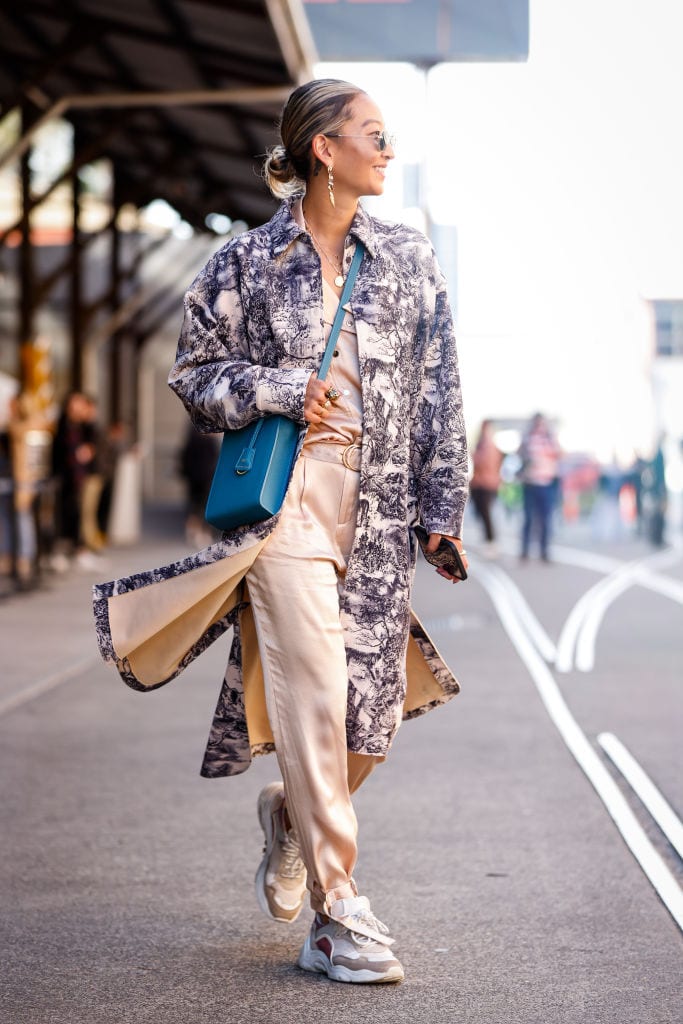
[336,266]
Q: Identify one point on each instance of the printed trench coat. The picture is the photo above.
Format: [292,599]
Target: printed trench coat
[252,335]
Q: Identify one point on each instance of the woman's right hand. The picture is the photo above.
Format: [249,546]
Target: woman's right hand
[316,406]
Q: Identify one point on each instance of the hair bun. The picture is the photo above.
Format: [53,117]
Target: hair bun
[279,159]
[279,172]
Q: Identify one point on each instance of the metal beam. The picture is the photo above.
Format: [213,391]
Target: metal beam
[109,297]
[141,298]
[47,283]
[183,98]
[75,39]
[81,158]
[291,28]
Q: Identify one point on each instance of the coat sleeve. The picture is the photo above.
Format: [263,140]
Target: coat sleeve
[215,374]
[439,441]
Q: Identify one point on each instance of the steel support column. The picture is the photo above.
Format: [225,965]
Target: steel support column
[116,338]
[76,296]
[26,256]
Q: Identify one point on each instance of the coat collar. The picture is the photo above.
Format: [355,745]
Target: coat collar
[284,228]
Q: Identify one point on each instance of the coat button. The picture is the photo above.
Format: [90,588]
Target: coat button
[336,352]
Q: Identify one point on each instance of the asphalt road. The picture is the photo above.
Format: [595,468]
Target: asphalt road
[523,877]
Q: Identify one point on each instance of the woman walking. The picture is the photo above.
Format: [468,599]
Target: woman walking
[327,656]
[540,453]
[487,458]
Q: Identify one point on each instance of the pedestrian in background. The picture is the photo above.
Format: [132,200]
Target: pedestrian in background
[94,437]
[7,519]
[540,454]
[112,443]
[197,462]
[320,593]
[73,455]
[29,449]
[655,497]
[487,459]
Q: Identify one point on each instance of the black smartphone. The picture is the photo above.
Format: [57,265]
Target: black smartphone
[446,555]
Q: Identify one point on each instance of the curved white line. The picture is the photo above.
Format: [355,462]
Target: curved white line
[581,626]
[588,630]
[611,589]
[564,662]
[644,787]
[635,838]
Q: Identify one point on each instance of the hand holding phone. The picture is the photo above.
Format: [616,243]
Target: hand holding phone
[446,555]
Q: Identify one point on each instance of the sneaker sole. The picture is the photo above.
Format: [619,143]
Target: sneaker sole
[318,963]
[266,822]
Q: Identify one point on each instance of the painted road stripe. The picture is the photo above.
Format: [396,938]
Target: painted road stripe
[593,561]
[580,630]
[586,638]
[644,787]
[635,838]
[588,633]
[533,628]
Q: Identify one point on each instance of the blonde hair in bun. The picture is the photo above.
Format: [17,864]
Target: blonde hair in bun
[279,173]
[318,107]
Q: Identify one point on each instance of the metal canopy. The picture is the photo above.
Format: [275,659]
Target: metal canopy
[423,32]
[181,95]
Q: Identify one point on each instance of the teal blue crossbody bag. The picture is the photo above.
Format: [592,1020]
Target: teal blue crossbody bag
[256,461]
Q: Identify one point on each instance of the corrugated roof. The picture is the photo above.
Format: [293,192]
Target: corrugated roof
[200,158]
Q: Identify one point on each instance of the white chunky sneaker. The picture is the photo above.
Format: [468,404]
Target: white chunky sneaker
[353,946]
[281,877]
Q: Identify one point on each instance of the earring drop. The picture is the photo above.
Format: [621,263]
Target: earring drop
[330,183]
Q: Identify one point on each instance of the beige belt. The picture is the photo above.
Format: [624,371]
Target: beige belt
[330,451]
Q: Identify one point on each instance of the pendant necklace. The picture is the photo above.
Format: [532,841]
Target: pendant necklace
[339,278]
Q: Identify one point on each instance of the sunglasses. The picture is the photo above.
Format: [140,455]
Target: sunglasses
[383,139]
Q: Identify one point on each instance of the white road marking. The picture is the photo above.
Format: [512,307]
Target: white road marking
[581,627]
[639,575]
[605,564]
[635,838]
[43,685]
[527,619]
[585,559]
[661,585]
[601,598]
[644,787]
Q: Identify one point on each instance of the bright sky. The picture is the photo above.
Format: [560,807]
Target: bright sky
[564,177]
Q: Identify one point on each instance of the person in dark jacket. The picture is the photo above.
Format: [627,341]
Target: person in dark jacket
[198,458]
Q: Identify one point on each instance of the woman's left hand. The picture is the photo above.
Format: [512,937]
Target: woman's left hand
[316,402]
[435,540]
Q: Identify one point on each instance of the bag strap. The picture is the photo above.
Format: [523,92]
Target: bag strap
[345,295]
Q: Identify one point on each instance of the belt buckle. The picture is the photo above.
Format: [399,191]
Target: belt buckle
[346,455]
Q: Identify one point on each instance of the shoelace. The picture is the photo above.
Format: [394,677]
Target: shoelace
[291,864]
[366,918]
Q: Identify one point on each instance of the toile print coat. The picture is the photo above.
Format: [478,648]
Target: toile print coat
[252,334]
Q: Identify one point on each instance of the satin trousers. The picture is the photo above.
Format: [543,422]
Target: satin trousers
[294,589]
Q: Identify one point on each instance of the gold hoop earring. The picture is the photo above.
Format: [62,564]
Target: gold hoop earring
[330,184]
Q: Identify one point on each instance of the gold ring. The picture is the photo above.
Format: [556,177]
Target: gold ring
[332,394]
[325,404]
